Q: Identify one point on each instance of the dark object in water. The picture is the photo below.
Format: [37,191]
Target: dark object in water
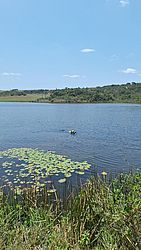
[72,132]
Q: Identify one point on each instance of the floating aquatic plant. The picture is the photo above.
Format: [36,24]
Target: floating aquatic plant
[79,172]
[32,166]
[62,180]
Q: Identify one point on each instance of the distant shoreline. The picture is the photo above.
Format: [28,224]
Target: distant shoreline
[125,93]
[61,103]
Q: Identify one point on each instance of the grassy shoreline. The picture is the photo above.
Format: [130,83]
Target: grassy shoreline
[34,100]
[30,100]
[103,215]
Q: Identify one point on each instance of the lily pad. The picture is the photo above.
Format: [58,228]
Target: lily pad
[68,175]
[79,172]
[35,166]
[62,180]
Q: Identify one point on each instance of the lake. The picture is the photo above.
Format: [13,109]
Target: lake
[108,135]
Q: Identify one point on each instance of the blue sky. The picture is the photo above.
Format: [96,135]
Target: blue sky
[69,43]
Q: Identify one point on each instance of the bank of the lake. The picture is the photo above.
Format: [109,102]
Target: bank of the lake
[104,215]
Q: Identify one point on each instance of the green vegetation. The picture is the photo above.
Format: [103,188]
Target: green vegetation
[19,98]
[125,93]
[39,212]
[104,215]
[27,166]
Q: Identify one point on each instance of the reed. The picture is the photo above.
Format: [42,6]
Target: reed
[103,215]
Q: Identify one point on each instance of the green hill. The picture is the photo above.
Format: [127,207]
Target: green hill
[125,93]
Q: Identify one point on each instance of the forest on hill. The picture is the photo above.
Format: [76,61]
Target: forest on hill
[124,93]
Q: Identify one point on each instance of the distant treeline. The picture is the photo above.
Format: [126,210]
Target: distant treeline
[17,92]
[125,93]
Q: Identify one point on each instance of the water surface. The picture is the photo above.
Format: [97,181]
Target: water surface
[108,135]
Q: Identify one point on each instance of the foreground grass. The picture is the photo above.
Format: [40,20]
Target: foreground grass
[103,216]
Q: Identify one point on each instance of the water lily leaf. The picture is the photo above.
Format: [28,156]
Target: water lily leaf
[79,172]
[62,180]
[38,164]
[68,175]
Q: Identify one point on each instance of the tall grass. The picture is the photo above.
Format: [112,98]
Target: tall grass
[103,216]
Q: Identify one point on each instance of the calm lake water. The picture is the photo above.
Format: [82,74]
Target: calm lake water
[108,135]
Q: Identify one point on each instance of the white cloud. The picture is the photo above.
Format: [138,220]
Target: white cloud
[11,74]
[71,76]
[124,3]
[129,71]
[87,50]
